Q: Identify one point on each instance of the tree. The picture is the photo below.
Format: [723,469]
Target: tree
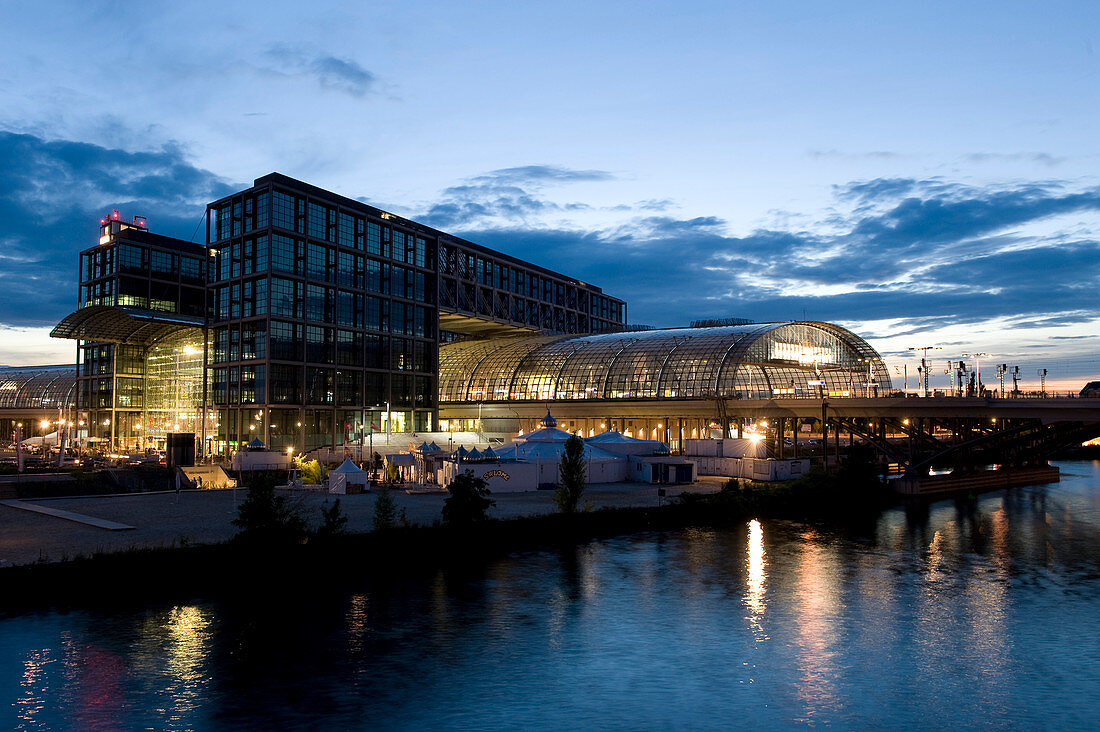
[385,511]
[570,488]
[468,501]
[311,471]
[266,517]
[333,520]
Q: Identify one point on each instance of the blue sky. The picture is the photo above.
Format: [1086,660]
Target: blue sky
[923,173]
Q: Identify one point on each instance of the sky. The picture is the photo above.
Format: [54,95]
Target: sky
[922,173]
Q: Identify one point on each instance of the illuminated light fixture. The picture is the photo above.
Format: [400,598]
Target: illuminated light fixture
[44,423]
[755,437]
[251,426]
[905,421]
[290,451]
[137,426]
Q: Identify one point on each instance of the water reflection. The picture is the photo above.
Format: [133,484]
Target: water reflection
[977,613]
[755,580]
[816,600]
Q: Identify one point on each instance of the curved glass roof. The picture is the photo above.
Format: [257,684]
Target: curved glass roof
[753,361]
[38,387]
[116,324]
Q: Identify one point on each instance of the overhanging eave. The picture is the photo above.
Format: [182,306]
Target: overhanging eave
[112,324]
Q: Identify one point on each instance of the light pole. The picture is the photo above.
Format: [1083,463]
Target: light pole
[1042,373]
[924,364]
[977,368]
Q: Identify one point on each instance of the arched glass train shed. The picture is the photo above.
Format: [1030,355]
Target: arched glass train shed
[756,361]
[30,394]
[38,387]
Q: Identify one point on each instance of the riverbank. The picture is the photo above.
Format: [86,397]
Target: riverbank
[180,570]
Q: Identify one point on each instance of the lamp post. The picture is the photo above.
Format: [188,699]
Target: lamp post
[977,368]
[924,365]
[1042,373]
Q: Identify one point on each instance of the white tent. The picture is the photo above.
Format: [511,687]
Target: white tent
[348,478]
[620,444]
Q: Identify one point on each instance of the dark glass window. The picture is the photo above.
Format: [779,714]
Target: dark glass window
[315,302]
[374,239]
[286,384]
[319,386]
[286,297]
[252,384]
[286,341]
[252,340]
[349,348]
[348,387]
[286,212]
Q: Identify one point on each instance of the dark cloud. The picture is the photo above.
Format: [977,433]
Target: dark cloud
[540,174]
[52,194]
[511,194]
[949,253]
[331,72]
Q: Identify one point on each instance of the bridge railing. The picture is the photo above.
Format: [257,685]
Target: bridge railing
[997,394]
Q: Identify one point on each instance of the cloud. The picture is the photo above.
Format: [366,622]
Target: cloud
[922,253]
[1028,157]
[508,195]
[331,72]
[52,194]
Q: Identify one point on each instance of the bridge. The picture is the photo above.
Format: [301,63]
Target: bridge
[913,433]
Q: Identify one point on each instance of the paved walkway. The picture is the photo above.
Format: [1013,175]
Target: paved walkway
[204,516]
[67,515]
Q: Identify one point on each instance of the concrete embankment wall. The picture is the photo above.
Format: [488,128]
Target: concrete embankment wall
[984,481]
[751,468]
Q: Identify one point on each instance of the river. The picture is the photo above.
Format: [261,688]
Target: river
[983,614]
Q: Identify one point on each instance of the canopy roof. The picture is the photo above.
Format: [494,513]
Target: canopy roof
[550,451]
[759,360]
[116,324]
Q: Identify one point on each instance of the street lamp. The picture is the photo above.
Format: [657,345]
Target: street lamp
[977,367]
[924,364]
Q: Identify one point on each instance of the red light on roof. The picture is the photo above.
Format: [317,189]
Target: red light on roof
[114,214]
[103,221]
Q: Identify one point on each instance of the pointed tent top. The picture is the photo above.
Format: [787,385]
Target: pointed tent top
[434,447]
[461,452]
[488,454]
[473,455]
[548,420]
[347,467]
[423,447]
[255,444]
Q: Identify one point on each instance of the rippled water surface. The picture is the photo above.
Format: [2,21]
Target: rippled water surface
[952,615]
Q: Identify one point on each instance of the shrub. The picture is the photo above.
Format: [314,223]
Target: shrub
[264,516]
[468,502]
[385,511]
[333,520]
[311,471]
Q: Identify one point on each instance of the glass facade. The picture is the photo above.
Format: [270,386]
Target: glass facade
[305,319]
[753,361]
